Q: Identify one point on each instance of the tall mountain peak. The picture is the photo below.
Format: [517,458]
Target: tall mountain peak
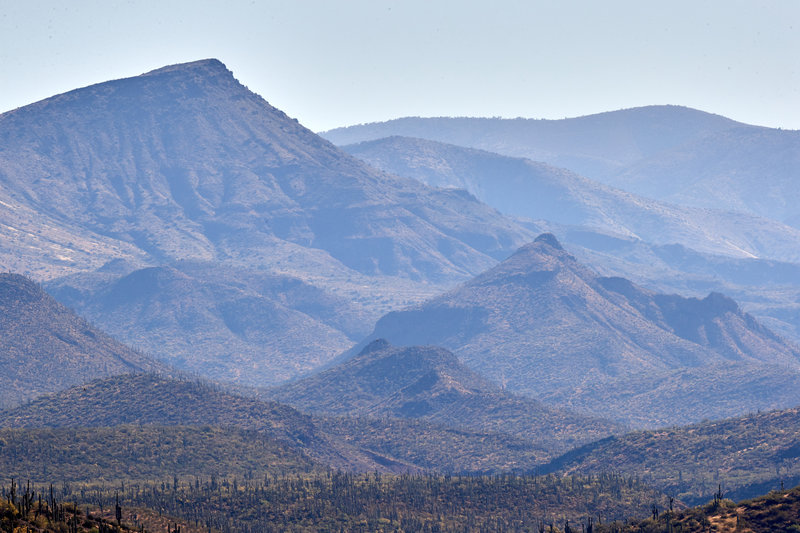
[184,162]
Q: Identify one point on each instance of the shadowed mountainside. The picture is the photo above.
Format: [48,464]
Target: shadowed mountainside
[356,444]
[137,453]
[229,323]
[45,347]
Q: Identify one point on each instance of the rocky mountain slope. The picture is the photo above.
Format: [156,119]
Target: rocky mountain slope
[665,247]
[186,163]
[45,347]
[429,383]
[544,325]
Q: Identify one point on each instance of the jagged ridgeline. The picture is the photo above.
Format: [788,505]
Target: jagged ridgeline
[544,325]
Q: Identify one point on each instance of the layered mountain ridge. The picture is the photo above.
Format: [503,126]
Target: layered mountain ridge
[186,164]
[669,153]
[228,323]
[544,325]
[356,444]
[521,187]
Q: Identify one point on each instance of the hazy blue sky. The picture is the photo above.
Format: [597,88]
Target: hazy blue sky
[331,63]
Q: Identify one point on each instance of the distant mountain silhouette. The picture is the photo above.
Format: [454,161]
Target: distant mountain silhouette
[594,145]
[747,169]
[535,190]
[544,325]
[428,383]
[45,347]
[668,153]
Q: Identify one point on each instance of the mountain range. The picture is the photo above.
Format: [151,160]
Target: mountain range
[354,444]
[186,164]
[225,322]
[663,246]
[667,153]
[368,312]
[544,325]
[534,190]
